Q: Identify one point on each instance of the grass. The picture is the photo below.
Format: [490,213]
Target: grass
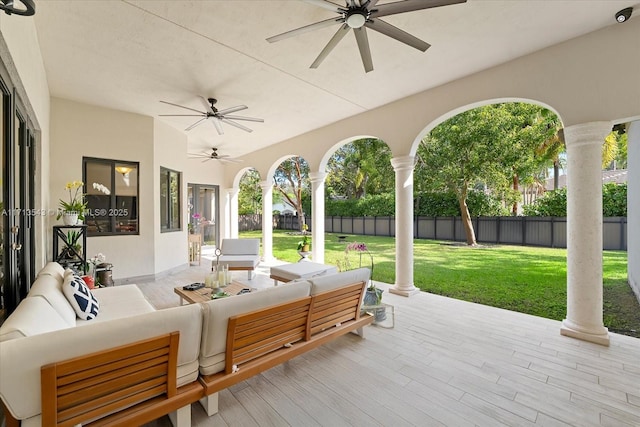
[520,278]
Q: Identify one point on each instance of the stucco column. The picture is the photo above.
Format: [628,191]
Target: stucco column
[231,213]
[633,206]
[584,232]
[267,220]
[317,215]
[403,167]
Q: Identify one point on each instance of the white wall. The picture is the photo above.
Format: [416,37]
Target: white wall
[170,151]
[79,130]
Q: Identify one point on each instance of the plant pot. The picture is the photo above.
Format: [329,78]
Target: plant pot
[372,298]
[70,218]
[305,248]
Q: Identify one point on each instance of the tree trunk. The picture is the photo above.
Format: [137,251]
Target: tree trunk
[516,188]
[556,174]
[466,221]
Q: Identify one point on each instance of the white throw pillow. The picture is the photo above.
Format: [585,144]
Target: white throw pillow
[80,297]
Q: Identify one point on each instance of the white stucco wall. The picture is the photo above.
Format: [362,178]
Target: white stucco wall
[79,130]
[633,207]
[170,151]
[20,52]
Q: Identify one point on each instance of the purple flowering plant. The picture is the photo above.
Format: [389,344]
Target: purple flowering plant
[361,250]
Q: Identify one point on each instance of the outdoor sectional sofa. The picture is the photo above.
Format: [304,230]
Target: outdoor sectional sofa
[42,342]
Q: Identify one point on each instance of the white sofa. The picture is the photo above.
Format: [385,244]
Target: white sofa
[43,329]
[240,254]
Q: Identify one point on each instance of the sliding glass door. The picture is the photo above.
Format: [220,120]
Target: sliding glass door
[17,251]
[204,211]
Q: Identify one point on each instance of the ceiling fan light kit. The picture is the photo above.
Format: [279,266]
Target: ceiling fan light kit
[358,15]
[216,116]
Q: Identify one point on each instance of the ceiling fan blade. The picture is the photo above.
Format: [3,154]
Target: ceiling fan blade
[232,109]
[195,155]
[206,105]
[305,29]
[182,106]
[409,6]
[339,35]
[196,123]
[398,34]
[238,125]
[180,115]
[327,5]
[370,4]
[206,160]
[218,125]
[363,46]
[249,119]
[230,160]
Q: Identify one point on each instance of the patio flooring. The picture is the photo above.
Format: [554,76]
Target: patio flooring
[446,362]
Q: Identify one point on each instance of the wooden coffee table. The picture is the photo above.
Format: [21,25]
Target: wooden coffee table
[204,294]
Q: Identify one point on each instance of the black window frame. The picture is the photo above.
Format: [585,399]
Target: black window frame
[113,208]
[165,177]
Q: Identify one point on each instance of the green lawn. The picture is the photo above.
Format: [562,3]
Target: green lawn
[519,278]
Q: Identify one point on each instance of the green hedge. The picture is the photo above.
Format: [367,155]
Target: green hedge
[425,204]
[554,203]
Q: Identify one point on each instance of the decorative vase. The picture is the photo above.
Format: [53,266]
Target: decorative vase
[372,298]
[70,218]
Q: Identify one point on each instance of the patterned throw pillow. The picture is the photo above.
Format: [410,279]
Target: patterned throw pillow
[80,297]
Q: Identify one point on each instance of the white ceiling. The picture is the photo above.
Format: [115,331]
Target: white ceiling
[129,55]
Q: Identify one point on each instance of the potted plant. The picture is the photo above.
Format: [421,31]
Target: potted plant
[304,245]
[373,294]
[73,210]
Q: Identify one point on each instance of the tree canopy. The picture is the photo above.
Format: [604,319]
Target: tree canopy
[492,147]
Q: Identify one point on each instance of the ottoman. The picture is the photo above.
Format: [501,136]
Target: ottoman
[300,270]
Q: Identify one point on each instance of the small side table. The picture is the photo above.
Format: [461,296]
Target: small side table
[304,256]
[195,248]
[383,314]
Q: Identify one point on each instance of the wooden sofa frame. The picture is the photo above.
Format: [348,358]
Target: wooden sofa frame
[127,385]
[262,339]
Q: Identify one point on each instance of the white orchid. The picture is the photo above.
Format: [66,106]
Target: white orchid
[101,188]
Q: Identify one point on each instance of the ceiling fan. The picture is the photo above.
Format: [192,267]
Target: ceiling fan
[360,15]
[213,155]
[217,116]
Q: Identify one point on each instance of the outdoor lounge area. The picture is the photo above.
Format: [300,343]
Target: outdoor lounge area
[446,362]
[125,121]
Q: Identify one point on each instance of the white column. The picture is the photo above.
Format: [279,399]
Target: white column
[584,232]
[633,206]
[233,212]
[317,216]
[224,219]
[267,220]
[403,167]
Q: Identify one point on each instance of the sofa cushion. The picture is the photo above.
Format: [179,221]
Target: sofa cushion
[240,246]
[21,359]
[52,269]
[117,302]
[302,270]
[217,313]
[330,282]
[80,297]
[49,287]
[240,261]
[33,316]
